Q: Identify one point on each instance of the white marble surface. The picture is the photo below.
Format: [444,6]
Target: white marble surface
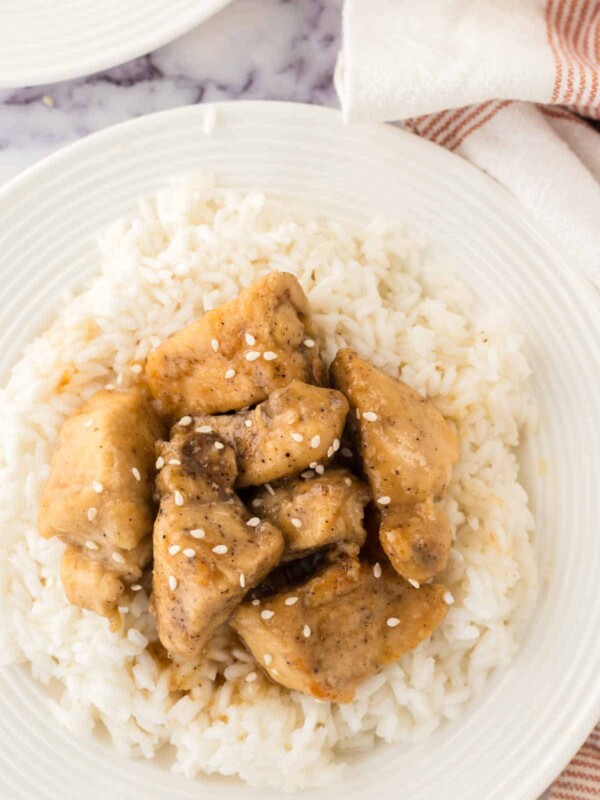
[253,49]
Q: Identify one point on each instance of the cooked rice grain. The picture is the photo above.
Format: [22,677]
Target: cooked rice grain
[191,248]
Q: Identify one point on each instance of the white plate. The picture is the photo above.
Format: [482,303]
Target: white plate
[44,41]
[535,713]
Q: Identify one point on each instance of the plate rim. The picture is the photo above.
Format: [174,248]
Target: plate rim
[106,59]
[554,760]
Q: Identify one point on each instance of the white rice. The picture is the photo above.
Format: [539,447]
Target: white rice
[188,250]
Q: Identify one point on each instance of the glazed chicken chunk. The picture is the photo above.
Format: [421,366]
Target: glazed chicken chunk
[90,585]
[325,637]
[98,497]
[407,447]
[416,539]
[296,427]
[237,354]
[208,550]
[324,511]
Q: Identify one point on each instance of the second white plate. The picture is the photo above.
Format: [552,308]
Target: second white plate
[45,42]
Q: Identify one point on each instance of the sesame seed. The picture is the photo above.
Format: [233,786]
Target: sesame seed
[306,631]
[308,343]
[308,473]
[393,622]
[175,462]
[253,522]
[313,464]
[346,452]
[250,339]
[118,558]
[136,369]
[297,437]
[197,533]
[136,474]
[267,614]
[370,416]
[123,609]
[297,523]
[219,446]
[185,421]
[319,469]
[414,583]
[119,378]
[357,414]
[248,423]
[251,676]
[172,582]
[204,429]
[348,481]
[256,602]
[377,570]
[252,355]
[336,445]
[268,659]
[97,487]
[330,452]
[220,549]
[274,671]
[110,387]
[92,513]
[291,601]
[135,587]
[257,502]
[48,101]
[160,462]
[88,423]
[448,598]
[269,355]
[91,545]
[269,489]
[214,343]
[230,374]
[174,549]
[178,498]
[189,552]
[315,441]
[242,580]
[384,501]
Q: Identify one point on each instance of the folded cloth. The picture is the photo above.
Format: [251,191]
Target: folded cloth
[460,72]
[581,779]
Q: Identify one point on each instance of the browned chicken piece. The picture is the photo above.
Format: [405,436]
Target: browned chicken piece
[208,551]
[297,426]
[90,585]
[327,510]
[237,354]
[407,447]
[416,539]
[98,497]
[327,636]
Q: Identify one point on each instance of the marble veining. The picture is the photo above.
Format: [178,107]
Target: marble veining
[253,49]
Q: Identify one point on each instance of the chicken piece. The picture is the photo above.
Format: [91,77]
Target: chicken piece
[327,636]
[98,498]
[99,493]
[208,552]
[90,585]
[416,539]
[327,510]
[407,447]
[237,354]
[297,426]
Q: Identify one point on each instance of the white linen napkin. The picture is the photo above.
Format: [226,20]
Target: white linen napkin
[503,83]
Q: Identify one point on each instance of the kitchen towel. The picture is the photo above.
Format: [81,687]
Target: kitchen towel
[511,85]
